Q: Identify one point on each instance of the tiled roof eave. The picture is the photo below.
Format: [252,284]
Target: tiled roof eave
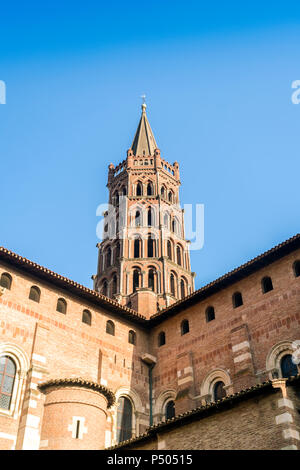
[229,278]
[75,288]
[203,411]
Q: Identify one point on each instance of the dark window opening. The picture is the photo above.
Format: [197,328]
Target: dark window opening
[6,281]
[87,317]
[170,410]
[237,299]
[266,285]
[35,294]
[132,337]
[185,328]
[150,247]
[172,284]
[210,314]
[161,338]
[151,279]
[288,368]
[136,248]
[136,279]
[297,268]
[110,328]
[61,306]
[219,391]
[124,419]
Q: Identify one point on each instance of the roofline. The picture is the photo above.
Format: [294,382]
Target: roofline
[206,410]
[73,287]
[266,258]
[46,275]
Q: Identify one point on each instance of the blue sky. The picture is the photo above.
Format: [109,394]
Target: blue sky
[218,82]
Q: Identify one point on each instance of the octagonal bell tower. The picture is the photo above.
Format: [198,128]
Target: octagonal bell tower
[144,260]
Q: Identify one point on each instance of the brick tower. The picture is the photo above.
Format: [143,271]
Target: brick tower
[144,259]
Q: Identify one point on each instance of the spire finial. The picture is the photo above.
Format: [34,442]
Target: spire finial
[144,106]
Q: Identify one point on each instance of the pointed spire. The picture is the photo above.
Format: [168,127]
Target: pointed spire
[144,141]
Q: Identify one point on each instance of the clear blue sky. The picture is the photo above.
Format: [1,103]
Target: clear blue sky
[217,76]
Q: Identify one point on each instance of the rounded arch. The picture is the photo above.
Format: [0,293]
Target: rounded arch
[86,317]
[35,293]
[211,380]
[150,188]
[137,408]
[6,281]
[61,305]
[139,188]
[274,357]
[161,403]
[21,362]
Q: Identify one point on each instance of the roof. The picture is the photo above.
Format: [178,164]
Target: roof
[80,382]
[113,306]
[203,411]
[73,287]
[144,141]
[230,278]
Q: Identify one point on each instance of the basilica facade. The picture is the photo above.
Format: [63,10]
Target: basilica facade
[143,360]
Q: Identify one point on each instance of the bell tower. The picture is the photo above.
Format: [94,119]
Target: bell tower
[144,260]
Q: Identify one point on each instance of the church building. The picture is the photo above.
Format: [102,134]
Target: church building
[142,360]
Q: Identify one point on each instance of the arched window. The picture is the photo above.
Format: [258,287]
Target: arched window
[182,288]
[219,391]
[104,289]
[172,284]
[170,197]
[296,268]
[108,257]
[131,337]
[117,250]
[178,250]
[149,189]
[114,284]
[210,314]
[137,245]
[161,338]
[6,281]
[266,284]
[110,328]
[150,217]
[169,249]
[170,410]
[7,380]
[124,191]
[173,225]
[61,306]
[87,317]
[185,328]
[288,368]
[138,219]
[150,246]
[139,189]
[151,279]
[124,419]
[237,299]
[136,279]
[167,221]
[35,294]
[162,191]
